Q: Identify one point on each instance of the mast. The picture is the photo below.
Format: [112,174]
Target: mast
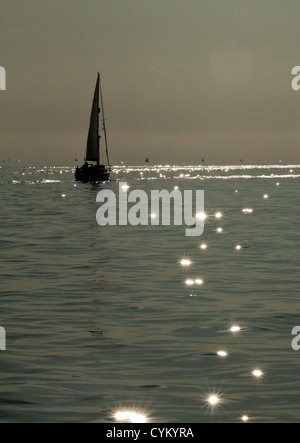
[103,121]
[98,133]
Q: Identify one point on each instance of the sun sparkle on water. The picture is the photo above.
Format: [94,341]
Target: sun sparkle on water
[245,418]
[213,400]
[201,216]
[222,354]
[257,373]
[185,262]
[130,416]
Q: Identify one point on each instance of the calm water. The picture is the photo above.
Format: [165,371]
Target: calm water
[101,319]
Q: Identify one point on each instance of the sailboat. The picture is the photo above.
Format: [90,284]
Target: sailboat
[93,170]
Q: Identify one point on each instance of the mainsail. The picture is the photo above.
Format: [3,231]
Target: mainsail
[92,148]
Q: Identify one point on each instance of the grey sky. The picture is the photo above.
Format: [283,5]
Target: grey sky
[182,79]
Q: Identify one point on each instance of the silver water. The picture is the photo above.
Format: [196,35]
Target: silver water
[102,319]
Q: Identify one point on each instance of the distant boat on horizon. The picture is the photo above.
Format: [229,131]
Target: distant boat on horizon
[93,170]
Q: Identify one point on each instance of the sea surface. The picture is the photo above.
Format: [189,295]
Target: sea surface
[106,319]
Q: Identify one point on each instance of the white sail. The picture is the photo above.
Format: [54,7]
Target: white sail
[92,148]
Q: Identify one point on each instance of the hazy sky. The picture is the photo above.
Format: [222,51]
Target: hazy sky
[182,79]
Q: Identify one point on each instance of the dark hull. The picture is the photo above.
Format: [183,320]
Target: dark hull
[92,174]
